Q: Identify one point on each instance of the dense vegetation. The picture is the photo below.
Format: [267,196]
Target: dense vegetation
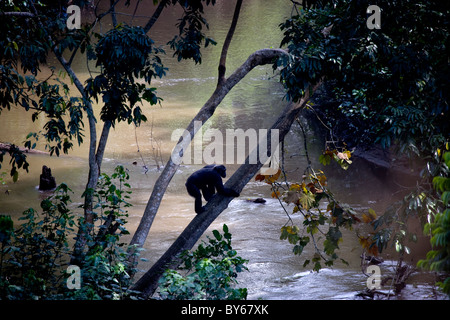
[388,87]
[34,257]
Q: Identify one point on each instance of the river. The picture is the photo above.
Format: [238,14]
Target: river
[274,272]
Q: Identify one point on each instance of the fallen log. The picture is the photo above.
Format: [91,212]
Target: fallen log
[7,147]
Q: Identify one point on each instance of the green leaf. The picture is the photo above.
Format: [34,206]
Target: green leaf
[284,233]
[446,197]
[441,183]
[15,176]
[217,235]
[317,266]
[6,228]
[298,249]
[325,159]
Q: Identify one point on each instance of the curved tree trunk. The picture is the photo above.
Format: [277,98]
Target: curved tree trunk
[224,85]
[260,57]
[148,283]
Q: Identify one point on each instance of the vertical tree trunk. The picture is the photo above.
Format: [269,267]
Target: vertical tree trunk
[94,168]
[95,163]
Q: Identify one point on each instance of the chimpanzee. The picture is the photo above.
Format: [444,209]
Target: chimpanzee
[208,180]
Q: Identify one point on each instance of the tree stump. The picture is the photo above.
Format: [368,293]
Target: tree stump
[47,181]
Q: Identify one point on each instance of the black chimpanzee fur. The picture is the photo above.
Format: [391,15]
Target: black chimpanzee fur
[207,180]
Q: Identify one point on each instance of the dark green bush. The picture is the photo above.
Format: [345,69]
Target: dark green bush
[34,257]
[210,272]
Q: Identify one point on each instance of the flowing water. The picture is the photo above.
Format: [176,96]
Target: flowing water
[275,273]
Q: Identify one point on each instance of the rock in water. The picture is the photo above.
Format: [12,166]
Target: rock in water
[47,181]
[257,200]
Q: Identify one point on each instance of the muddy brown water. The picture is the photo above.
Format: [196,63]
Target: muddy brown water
[274,272]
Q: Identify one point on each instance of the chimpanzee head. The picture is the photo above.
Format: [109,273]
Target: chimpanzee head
[221,170]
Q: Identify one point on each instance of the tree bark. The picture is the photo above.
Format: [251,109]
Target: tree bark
[148,283]
[260,57]
[226,44]
[94,169]
[155,15]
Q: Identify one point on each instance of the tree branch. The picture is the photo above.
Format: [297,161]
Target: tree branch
[226,44]
[113,12]
[18,13]
[260,57]
[156,15]
[97,19]
[93,168]
[148,283]
[102,143]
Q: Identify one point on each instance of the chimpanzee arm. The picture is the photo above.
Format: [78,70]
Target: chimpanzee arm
[223,190]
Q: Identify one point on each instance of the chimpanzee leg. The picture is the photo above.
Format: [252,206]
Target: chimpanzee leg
[195,192]
[208,192]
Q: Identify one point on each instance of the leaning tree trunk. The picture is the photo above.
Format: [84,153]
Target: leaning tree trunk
[148,283]
[223,87]
[260,57]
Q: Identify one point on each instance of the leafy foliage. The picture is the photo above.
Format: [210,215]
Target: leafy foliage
[26,48]
[18,160]
[211,271]
[105,267]
[391,80]
[188,42]
[34,257]
[125,54]
[389,88]
[438,226]
[340,157]
[306,198]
